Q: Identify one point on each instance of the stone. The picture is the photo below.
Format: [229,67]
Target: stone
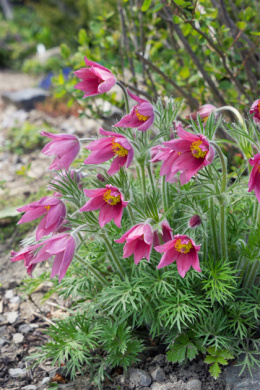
[25,328]
[11,283]
[45,380]
[2,319]
[244,382]
[139,377]
[16,372]
[3,342]
[2,329]
[11,316]
[15,299]
[194,384]
[159,360]
[158,374]
[29,387]
[169,386]
[18,338]
[25,98]
[9,294]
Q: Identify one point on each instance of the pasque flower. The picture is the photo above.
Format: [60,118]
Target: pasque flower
[194,221]
[53,210]
[255,109]
[64,146]
[168,156]
[254,180]
[140,117]
[114,145]
[62,246]
[96,79]
[204,112]
[109,200]
[139,240]
[182,249]
[192,153]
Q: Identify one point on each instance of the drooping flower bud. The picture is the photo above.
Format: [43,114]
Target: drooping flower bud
[204,112]
[194,221]
[100,177]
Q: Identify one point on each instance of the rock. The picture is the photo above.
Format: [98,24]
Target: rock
[158,374]
[244,382]
[25,328]
[15,299]
[16,372]
[18,338]
[139,377]
[25,98]
[2,329]
[169,386]
[11,283]
[11,316]
[45,380]
[2,319]
[3,342]
[159,360]
[9,294]
[29,387]
[194,384]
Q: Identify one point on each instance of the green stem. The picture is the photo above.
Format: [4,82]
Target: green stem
[258,215]
[251,274]
[115,263]
[223,233]
[235,112]
[125,96]
[164,193]
[143,179]
[95,271]
[151,177]
[213,227]
[131,214]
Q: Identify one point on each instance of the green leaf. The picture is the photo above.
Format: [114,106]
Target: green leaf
[215,370]
[146,5]
[176,19]
[241,25]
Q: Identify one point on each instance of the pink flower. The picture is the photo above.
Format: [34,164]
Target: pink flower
[254,180]
[96,79]
[62,178]
[255,109]
[183,250]
[168,156]
[115,145]
[110,202]
[62,246]
[139,240]
[194,221]
[64,146]
[141,116]
[54,212]
[191,153]
[204,112]
[166,233]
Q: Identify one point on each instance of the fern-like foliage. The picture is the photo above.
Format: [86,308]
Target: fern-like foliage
[185,346]
[215,358]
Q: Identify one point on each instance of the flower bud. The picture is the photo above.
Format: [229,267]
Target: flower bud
[194,221]
[100,177]
[204,112]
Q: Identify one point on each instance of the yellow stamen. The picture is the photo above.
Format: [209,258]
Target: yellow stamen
[196,150]
[47,208]
[258,106]
[183,248]
[141,117]
[204,119]
[119,150]
[110,199]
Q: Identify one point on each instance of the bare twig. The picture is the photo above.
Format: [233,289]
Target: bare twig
[44,318]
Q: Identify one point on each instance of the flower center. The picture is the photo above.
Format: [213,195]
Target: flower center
[183,248]
[47,208]
[258,107]
[141,117]
[118,149]
[196,150]
[110,199]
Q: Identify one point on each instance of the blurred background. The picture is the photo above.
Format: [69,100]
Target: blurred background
[197,51]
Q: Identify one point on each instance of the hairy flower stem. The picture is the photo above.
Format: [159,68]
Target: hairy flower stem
[131,214]
[125,96]
[164,193]
[223,233]
[213,227]
[235,112]
[143,182]
[149,169]
[114,260]
[251,274]
[95,271]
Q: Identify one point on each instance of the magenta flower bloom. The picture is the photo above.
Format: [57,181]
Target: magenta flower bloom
[183,250]
[168,156]
[191,153]
[255,109]
[64,146]
[96,79]
[194,221]
[109,200]
[140,117]
[54,212]
[114,145]
[254,180]
[62,246]
[204,112]
[166,233]
[139,240]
